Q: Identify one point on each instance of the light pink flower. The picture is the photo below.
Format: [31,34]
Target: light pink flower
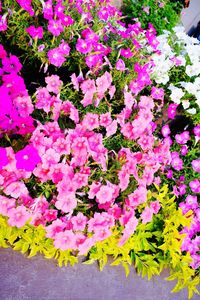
[16,189]
[56,227]
[65,240]
[79,221]
[53,83]
[66,202]
[6,204]
[18,216]
[147,215]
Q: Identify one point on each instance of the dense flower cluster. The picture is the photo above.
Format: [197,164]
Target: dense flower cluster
[177,67]
[84,153]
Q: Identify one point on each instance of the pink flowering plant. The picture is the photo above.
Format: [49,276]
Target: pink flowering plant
[91,163]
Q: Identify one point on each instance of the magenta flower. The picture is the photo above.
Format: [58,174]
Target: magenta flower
[196,165]
[3,158]
[35,32]
[26,5]
[197,131]
[195,186]
[157,93]
[56,57]
[184,150]
[55,27]
[165,130]
[3,23]
[83,46]
[172,110]
[183,137]
[27,158]
[11,64]
[126,53]
[120,65]
[66,20]
[64,48]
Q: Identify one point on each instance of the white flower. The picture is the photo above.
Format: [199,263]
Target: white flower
[192,111]
[176,94]
[193,70]
[186,104]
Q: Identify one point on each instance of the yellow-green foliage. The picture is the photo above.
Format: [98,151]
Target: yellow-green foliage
[153,247]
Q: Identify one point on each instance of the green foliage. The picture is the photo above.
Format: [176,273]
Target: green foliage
[162,18]
[32,241]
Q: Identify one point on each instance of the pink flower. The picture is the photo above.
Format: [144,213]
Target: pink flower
[105,119]
[105,194]
[35,32]
[90,121]
[157,93]
[88,86]
[120,65]
[83,46]
[55,27]
[3,23]
[172,110]
[126,52]
[66,20]
[27,158]
[196,165]
[184,150]
[165,130]
[111,128]
[56,57]
[11,64]
[79,222]
[4,159]
[66,202]
[6,204]
[56,227]
[16,189]
[147,215]
[53,83]
[195,186]
[155,206]
[18,216]
[65,240]
[183,137]
[64,48]
[103,82]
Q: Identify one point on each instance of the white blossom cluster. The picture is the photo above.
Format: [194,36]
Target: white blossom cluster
[179,57]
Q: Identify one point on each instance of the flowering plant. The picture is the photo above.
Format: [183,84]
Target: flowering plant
[85,160]
[163,14]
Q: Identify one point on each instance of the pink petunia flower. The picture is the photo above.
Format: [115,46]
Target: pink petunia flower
[56,57]
[35,32]
[3,158]
[27,158]
[65,240]
[18,216]
[53,83]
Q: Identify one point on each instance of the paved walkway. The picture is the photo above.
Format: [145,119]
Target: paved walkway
[40,279]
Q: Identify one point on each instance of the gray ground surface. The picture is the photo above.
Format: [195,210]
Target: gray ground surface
[40,279]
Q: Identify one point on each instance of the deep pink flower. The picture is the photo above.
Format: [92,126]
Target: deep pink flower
[120,65]
[26,5]
[79,222]
[11,64]
[27,158]
[165,130]
[35,32]
[3,23]
[64,48]
[83,46]
[56,57]
[3,158]
[172,110]
[196,165]
[197,131]
[184,150]
[66,20]
[126,52]
[195,186]
[157,93]
[55,27]
[183,137]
